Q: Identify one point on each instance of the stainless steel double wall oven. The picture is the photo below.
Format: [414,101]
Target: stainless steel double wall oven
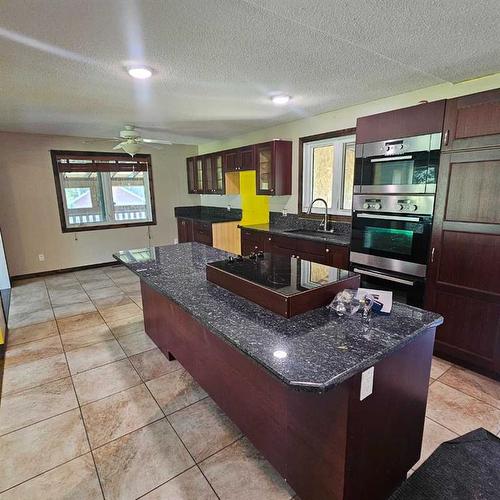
[393,204]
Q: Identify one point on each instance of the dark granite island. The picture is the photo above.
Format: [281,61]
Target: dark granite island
[294,386]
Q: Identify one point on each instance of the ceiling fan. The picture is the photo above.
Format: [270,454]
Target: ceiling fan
[131,141]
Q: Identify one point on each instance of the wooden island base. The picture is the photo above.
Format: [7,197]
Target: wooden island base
[327,445]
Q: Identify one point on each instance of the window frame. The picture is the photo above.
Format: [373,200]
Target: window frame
[318,212]
[92,155]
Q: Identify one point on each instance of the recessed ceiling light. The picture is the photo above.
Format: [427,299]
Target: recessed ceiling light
[280,99]
[140,72]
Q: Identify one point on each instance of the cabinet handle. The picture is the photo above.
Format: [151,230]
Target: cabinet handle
[446,137]
[272,190]
[327,250]
[269,239]
[432,254]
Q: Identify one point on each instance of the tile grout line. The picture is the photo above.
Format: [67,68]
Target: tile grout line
[42,419]
[162,484]
[468,395]
[80,409]
[185,447]
[44,472]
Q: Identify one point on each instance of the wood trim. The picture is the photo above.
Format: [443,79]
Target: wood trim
[60,203]
[63,270]
[311,138]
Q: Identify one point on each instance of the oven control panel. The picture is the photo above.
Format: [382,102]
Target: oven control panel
[422,204]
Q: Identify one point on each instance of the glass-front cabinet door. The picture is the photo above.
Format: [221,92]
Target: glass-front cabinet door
[218,174]
[191,175]
[199,175]
[208,171]
[264,168]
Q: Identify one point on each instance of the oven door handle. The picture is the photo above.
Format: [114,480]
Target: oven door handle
[391,158]
[388,217]
[384,276]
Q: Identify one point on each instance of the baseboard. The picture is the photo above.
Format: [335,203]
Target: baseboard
[65,270]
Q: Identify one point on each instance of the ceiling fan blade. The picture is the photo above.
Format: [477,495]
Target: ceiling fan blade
[90,141]
[155,141]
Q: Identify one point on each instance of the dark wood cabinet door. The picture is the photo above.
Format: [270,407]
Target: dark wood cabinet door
[472,121]
[184,230]
[464,268]
[218,174]
[202,232]
[231,160]
[191,175]
[246,158]
[199,174]
[264,168]
[338,256]
[253,241]
[273,165]
[405,122]
[208,173]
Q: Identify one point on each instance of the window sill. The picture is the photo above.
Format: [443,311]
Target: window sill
[106,226]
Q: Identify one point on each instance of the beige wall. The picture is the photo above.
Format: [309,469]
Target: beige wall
[336,120]
[29,216]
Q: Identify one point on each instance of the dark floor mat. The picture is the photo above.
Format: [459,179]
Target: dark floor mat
[465,468]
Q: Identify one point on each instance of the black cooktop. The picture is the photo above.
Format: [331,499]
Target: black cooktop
[283,274]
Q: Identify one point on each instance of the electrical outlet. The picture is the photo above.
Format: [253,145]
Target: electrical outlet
[284,212]
[176,240]
[228,208]
[41,257]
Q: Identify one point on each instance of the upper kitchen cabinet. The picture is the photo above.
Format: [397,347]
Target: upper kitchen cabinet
[236,160]
[273,164]
[196,174]
[200,174]
[218,173]
[406,122]
[472,121]
[191,174]
[214,174]
[272,161]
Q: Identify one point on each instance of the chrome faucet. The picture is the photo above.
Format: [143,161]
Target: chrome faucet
[325,221]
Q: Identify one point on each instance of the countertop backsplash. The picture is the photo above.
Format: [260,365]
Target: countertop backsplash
[293,221]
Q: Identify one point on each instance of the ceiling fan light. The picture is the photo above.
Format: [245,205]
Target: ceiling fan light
[131,148]
[140,72]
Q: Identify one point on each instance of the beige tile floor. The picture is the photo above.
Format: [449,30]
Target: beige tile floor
[91,409]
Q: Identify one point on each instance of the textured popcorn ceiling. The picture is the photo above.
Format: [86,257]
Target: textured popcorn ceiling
[217,61]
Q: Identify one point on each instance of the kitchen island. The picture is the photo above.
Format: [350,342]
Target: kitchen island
[299,388]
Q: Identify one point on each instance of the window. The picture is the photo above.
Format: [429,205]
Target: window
[328,172]
[103,190]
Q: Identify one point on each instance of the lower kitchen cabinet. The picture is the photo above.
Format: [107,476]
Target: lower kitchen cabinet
[184,230]
[193,230]
[253,241]
[314,251]
[202,232]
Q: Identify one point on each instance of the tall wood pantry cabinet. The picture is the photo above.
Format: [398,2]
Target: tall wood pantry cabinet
[464,267]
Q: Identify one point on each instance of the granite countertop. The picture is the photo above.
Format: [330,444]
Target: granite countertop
[322,350]
[212,215]
[333,238]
